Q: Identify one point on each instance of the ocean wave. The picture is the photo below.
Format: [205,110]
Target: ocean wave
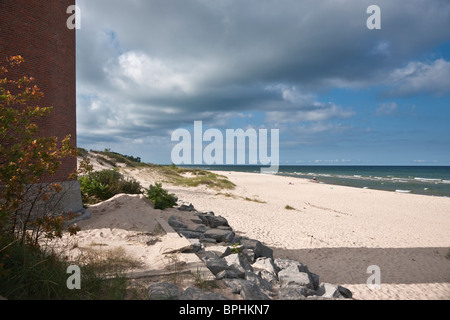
[403,191]
[427,179]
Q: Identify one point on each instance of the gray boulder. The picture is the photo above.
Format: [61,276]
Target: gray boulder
[238,264]
[292,292]
[235,284]
[219,235]
[258,248]
[268,276]
[213,221]
[226,274]
[260,282]
[176,223]
[163,291]
[216,265]
[266,264]
[293,275]
[282,263]
[201,228]
[251,291]
[328,290]
[190,234]
[184,207]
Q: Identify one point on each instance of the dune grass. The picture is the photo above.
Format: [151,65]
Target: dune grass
[29,273]
[194,177]
[171,173]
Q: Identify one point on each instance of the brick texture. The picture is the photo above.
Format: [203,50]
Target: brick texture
[37,30]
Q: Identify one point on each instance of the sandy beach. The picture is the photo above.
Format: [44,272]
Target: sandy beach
[338,232]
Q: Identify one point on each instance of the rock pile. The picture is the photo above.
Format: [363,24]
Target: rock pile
[245,265]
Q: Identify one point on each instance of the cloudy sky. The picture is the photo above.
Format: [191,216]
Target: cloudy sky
[337,91]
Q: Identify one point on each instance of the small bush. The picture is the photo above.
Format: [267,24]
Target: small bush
[160,197]
[102,185]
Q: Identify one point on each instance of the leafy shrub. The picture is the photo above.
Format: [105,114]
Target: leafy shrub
[27,158]
[92,189]
[102,185]
[160,197]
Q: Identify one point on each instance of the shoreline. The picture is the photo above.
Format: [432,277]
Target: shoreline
[365,180]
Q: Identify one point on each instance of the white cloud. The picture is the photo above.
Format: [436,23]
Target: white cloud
[134,70]
[419,77]
[316,111]
[387,108]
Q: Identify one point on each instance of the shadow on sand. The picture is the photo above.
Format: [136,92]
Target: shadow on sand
[397,265]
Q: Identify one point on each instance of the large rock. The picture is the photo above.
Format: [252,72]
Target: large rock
[266,264]
[292,292]
[247,289]
[260,282]
[213,221]
[190,234]
[216,265]
[251,291]
[238,264]
[163,291]
[293,275]
[227,274]
[268,276]
[219,235]
[235,284]
[328,290]
[283,263]
[258,248]
[185,207]
[176,223]
[221,251]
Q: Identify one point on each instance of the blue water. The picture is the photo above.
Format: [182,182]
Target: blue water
[427,180]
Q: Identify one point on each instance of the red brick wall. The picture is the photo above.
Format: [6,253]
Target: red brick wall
[37,30]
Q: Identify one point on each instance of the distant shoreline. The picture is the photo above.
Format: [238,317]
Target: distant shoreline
[421,180]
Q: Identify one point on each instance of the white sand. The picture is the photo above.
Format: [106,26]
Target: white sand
[338,232]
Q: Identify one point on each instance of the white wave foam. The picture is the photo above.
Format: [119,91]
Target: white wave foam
[427,179]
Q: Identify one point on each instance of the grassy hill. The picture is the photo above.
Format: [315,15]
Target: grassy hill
[169,173]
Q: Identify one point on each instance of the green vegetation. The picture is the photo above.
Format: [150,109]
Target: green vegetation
[171,174]
[113,158]
[81,152]
[288,207]
[254,200]
[160,197]
[28,272]
[101,185]
[195,177]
